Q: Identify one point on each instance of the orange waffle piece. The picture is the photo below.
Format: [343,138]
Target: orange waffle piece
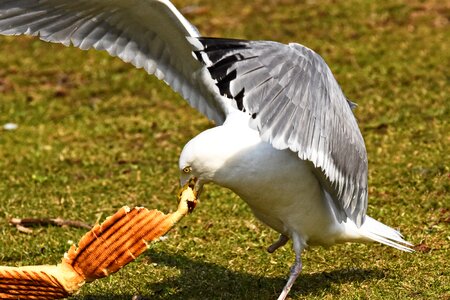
[105,249]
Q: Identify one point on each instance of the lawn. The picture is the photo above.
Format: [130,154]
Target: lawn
[95,134]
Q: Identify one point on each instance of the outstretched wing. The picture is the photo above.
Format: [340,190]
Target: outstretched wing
[149,34]
[295,102]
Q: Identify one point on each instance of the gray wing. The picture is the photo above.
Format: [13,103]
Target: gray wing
[295,102]
[149,34]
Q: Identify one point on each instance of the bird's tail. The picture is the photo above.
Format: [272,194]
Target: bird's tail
[377,231]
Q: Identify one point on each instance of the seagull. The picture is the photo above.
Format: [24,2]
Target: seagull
[286,139]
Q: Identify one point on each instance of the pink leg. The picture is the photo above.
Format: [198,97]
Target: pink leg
[296,269]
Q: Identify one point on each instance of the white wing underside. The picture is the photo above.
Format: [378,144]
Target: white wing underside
[289,91]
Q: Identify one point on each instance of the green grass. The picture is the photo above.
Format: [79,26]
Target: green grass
[96,134]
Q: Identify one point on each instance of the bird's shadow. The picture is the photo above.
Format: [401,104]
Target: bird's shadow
[204,280]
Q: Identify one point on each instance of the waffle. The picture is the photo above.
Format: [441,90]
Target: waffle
[105,249]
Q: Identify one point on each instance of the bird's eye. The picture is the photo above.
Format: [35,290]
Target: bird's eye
[187,169]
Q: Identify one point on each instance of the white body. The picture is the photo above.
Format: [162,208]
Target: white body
[280,188]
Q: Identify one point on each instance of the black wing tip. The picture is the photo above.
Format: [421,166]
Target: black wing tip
[221,41]
[216,49]
[211,44]
[221,55]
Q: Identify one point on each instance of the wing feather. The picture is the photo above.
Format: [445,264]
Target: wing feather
[149,34]
[296,103]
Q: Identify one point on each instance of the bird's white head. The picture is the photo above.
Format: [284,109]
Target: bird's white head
[201,159]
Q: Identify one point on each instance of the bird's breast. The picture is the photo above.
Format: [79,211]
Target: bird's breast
[280,188]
